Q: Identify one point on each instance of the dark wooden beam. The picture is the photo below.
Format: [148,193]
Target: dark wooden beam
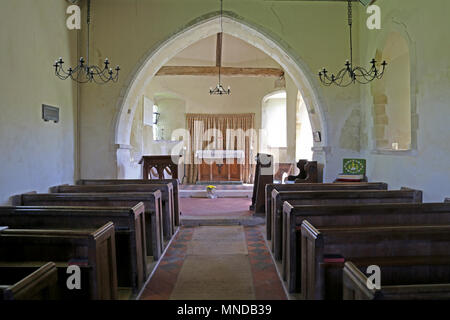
[214,71]
[219,50]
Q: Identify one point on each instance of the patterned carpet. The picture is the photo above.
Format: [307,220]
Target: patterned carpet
[205,262]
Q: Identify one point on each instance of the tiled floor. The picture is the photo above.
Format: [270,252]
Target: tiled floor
[262,276]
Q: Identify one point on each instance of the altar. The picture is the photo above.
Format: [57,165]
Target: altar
[220,165]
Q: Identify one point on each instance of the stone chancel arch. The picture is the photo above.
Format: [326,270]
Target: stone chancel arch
[198,30]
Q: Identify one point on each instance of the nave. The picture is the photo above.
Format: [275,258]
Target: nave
[216,263]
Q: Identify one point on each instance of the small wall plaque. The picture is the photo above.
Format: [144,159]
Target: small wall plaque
[50,113]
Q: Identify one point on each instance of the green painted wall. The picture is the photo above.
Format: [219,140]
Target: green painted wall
[34,154]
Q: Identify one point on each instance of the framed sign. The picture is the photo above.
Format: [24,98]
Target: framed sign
[354,166]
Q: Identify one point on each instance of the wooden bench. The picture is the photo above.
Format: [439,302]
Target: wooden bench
[17,284]
[322,246]
[349,215]
[311,187]
[340,197]
[175,185]
[151,200]
[404,278]
[93,250]
[168,217]
[129,225]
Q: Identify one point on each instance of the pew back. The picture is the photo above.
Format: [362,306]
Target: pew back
[94,250]
[167,198]
[129,225]
[175,184]
[151,200]
[339,197]
[312,187]
[349,215]
[363,242]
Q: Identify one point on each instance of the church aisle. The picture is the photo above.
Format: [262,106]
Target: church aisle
[216,263]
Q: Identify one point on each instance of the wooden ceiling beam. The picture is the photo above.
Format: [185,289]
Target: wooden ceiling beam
[214,71]
[219,50]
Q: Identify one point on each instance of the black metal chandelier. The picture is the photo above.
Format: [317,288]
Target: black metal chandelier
[219,89]
[351,74]
[84,72]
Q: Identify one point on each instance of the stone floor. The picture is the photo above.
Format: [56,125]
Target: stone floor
[216,263]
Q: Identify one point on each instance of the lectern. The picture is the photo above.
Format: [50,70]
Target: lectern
[155,167]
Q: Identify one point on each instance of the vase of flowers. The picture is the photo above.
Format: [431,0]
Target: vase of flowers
[211,192]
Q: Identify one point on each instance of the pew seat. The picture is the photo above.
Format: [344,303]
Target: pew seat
[39,283]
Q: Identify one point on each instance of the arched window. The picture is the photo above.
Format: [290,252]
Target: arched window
[304,134]
[392,97]
[273,119]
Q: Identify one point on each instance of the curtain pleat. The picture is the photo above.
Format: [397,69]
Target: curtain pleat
[223,132]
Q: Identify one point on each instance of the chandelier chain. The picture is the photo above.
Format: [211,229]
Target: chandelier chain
[84,72]
[219,89]
[351,74]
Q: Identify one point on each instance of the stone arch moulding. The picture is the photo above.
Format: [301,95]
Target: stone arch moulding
[199,29]
[393,24]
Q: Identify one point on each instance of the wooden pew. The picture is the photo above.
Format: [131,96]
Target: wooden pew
[151,200]
[340,197]
[129,225]
[168,216]
[19,284]
[404,278]
[349,215]
[263,177]
[175,185]
[312,187]
[319,244]
[93,250]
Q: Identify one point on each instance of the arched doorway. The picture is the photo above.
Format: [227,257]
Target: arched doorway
[202,28]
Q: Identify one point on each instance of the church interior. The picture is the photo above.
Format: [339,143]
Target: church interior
[224,150]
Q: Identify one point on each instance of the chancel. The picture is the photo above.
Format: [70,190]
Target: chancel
[243,150]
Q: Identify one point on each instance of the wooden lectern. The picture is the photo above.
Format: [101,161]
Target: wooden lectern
[263,177]
[154,167]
